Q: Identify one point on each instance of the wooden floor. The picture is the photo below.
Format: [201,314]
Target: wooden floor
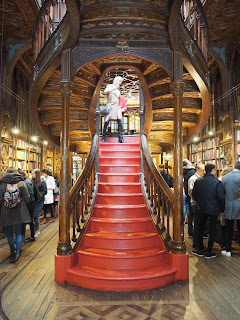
[28,290]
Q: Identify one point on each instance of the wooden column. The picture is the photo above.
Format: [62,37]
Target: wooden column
[64,245]
[178,244]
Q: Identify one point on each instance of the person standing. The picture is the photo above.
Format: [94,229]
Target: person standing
[200,169]
[48,198]
[166,176]
[56,195]
[113,95]
[208,192]
[188,171]
[30,205]
[12,217]
[41,191]
[231,183]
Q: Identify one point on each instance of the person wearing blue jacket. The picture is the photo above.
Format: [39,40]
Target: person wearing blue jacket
[208,192]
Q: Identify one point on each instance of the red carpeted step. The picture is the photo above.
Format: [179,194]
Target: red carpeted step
[127,139]
[119,153]
[124,259]
[119,188]
[121,280]
[119,168]
[121,225]
[123,160]
[119,177]
[113,199]
[119,146]
[120,211]
[120,240]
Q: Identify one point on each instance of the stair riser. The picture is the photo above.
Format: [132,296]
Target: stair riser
[123,244]
[117,153]
[119,189]
[119,179]
[105,262]
[146,226]
[127,139]
[119,161]
[120,213]
[119,169]
[124,200]
[119,146]
[120,285]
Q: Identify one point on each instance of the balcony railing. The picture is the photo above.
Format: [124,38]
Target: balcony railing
[50,15]
[195,21]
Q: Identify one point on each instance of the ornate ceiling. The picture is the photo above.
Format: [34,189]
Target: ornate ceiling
[223,21]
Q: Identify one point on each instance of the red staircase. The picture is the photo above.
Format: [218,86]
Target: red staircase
[121,249]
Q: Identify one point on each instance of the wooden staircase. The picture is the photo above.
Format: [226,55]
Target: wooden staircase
[120,249]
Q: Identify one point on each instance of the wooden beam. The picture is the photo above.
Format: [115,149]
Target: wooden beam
[19,7]
[95,68]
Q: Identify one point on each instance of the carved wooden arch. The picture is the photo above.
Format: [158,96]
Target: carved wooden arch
[161,56]
[19,52]
[221,67]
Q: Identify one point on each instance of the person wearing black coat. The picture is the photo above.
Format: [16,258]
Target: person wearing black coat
[208,192]
[12,218]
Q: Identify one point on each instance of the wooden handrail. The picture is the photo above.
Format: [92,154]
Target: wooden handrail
[159,197]
[50,16]
[195,21]
[82,194]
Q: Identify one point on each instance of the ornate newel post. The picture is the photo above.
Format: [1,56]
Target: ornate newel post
[178,258]
[178,245]
[64,259]
[64,245]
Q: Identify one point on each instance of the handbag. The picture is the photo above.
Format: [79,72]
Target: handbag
[37,194]
[105,109]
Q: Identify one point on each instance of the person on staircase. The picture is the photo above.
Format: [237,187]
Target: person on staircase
[41,191]
[48,198]
[113,95]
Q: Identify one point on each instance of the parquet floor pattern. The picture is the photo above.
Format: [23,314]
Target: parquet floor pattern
[28,290]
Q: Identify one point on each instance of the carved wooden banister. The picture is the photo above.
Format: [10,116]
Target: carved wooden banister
[82,194]
[195,20]
[159,197]
[50,15]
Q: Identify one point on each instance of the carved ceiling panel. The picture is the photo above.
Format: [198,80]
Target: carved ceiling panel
[223,20]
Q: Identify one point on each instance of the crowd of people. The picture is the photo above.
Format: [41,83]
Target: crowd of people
[22,199]
[210,204]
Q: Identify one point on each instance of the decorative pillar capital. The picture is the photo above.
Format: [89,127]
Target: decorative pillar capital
[177,89]
[66,87]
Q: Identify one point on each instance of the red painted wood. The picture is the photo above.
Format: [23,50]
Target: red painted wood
[121,249]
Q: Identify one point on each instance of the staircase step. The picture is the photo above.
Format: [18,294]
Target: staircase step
[127,139]
[120,211]
[123,160]
[119,146]
[121,225]
[119,188]
[121,280]
[119,168]
[119,153]
[108,198]
[119,177]
[124,259]
[121,240]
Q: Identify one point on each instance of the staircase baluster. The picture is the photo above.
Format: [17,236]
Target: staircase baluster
[78,212]
[74,208]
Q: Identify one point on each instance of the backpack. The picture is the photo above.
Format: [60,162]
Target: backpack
[11,198]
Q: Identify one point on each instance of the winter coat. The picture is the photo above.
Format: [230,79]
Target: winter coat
[208,192]
[187,173]
[30,188]
[18,214]
[168,178]
[48,198]
[231,183]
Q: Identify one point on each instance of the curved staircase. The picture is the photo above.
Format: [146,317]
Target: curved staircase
[121,249]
